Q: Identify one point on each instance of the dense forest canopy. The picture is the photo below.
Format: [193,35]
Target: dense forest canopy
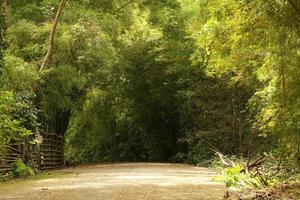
[153,80]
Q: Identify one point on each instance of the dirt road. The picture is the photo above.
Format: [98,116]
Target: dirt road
[136,181]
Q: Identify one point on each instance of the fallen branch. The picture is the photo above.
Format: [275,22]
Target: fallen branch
[255,164]
[261,178]
[227,162]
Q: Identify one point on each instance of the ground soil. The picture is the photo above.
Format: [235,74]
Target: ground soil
[127,181]
[289,191]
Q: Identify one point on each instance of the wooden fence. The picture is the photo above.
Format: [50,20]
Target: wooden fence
[9,155]
[51,153]
[45,156]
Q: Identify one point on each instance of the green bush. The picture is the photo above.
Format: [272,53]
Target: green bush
[234,178]
[21,169]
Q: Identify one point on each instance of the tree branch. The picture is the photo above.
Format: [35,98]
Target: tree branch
[52,34]
[4,11]
[294,6]
[225,161]
[123,6]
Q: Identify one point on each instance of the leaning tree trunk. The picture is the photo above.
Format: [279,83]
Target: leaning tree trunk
[4,9]
[3,28]
[52,34]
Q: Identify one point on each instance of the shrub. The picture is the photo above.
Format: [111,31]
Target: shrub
[21,169]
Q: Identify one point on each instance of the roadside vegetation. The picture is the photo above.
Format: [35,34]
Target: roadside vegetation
[157,80]
[268,177]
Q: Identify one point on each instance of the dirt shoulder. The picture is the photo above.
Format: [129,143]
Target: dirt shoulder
[280,192]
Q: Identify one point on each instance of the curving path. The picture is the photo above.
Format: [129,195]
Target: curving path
[129,181]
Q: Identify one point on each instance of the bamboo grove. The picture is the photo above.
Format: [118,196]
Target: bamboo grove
[152,80]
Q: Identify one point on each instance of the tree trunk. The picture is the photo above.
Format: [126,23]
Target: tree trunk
[294,5]
[52,34]
[3,29]
[4,9]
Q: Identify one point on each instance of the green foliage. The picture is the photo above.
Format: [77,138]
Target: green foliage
[88,137]
[60,88]
[271,172]
[21,169]
[11,127]
[18,75]
[252,44]
[107,118]
[27,40]
[18,114]
[28,11]
[234,178]
[155,80]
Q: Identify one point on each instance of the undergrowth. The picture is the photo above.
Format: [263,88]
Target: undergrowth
[266,177]
[20,170]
